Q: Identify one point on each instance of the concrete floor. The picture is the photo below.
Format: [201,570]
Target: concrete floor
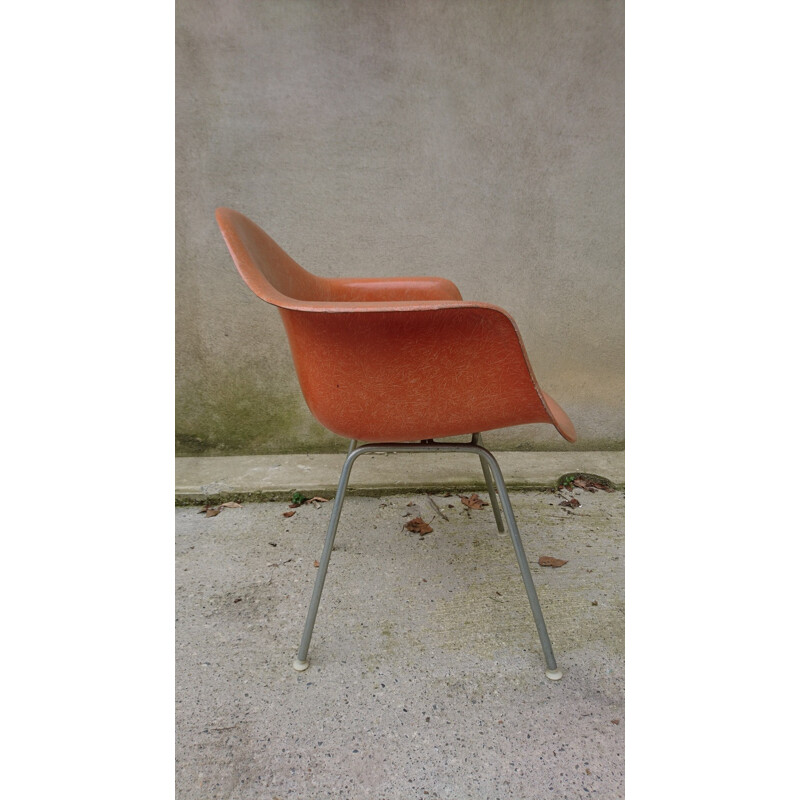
[426,678]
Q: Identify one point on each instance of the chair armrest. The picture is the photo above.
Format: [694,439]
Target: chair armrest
[391,289]
[404,372]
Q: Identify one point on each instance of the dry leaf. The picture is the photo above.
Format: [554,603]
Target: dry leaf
[615,722]
[231,504]
[591,485]
[320,499]
[295,505]
[548,561]
[473,501]
[289,513]
[212,512]
[573,502]
[316,564]
[418,525]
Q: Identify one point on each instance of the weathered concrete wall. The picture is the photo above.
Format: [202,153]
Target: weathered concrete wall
[482,141]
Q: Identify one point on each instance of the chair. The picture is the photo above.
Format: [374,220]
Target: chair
[376,361]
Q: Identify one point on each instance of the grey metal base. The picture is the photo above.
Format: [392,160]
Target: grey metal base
[491,469]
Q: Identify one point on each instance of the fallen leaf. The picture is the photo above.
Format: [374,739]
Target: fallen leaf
[295,505]
[231,504]
[615,722]
[592,485]
[320,499]
[589,483]
[289,513]
[573,502]
[316,564]
[212,512]
[549,561]
[473,501]
[418,525]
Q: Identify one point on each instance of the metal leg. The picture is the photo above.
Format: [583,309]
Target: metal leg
[553,672]
[301,660]
[476,439]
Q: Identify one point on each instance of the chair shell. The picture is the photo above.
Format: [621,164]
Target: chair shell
[394,359]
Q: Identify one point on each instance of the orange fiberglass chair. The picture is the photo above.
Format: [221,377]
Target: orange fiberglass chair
[373,358]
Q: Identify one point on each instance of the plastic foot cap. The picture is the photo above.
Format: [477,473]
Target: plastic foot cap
[554,674]
[300,666]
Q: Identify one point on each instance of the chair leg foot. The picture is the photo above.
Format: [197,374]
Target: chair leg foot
[300,666]
[554,674]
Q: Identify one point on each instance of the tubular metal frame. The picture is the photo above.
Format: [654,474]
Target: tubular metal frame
[491,469]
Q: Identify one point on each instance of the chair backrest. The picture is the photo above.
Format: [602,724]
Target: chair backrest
[272,274]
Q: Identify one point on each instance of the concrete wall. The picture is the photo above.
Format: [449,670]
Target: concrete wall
[478,140]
